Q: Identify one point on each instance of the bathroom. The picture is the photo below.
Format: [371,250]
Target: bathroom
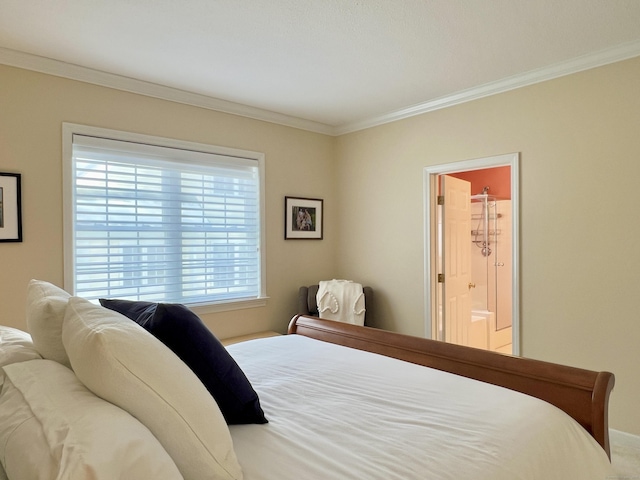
[490,287]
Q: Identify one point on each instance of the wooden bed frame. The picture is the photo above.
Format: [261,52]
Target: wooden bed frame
[583,394]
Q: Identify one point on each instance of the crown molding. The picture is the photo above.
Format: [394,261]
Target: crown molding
[585,62]
[75,72]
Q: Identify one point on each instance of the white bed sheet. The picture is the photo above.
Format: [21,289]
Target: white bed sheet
[340,413]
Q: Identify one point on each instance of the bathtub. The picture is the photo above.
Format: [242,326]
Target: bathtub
[479,328]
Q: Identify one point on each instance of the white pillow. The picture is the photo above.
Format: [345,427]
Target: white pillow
[46,304]
[15,346]
[123,363]
[52,427]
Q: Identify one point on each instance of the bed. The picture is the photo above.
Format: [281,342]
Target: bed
[358,413]
[88,393]
[582,394]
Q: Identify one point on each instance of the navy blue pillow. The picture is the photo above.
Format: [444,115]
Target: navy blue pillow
[189,338]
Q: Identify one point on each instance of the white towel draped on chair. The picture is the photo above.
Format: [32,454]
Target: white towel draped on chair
[341,300]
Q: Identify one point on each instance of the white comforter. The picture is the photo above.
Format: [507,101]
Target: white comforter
[340,413]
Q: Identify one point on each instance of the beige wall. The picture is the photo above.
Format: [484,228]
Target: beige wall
[32,109]
[579,140]
[580,165]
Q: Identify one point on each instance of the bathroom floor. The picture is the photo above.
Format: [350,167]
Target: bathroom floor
[505,349]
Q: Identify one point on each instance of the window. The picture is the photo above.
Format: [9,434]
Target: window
[160,220]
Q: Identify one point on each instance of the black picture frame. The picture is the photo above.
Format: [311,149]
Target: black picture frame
[303,218]
[10,207]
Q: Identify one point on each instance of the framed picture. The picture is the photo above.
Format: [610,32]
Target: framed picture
[10,208]
[302,218]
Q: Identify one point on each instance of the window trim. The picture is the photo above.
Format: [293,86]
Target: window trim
[70,129]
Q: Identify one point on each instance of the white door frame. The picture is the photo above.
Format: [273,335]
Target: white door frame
[430,175]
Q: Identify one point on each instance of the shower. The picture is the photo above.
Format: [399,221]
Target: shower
[490,297]
[486,219]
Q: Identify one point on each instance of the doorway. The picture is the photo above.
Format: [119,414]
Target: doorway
[471,272]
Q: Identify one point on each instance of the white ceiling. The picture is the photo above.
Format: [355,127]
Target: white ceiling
[325,65]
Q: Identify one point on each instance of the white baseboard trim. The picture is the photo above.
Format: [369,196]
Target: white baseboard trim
[625,437]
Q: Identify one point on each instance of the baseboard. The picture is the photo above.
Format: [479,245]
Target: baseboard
[625,437]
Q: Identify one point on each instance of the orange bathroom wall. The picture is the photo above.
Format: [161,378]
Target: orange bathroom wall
[498,179]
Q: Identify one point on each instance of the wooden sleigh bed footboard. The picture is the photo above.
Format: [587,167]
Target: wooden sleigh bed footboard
[583,394]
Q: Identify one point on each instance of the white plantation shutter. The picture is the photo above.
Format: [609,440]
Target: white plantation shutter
[164,224]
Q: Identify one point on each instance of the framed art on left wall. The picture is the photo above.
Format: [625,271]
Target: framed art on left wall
[303,218]
[10,208]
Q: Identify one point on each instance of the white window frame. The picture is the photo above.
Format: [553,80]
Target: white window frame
[70,129]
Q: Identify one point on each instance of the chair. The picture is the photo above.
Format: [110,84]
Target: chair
[307,304]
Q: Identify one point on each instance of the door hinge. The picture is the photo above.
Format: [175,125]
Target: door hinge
[441,278]
[440,199]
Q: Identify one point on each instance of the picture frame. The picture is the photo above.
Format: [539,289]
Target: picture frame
[303,218]
[10,207]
